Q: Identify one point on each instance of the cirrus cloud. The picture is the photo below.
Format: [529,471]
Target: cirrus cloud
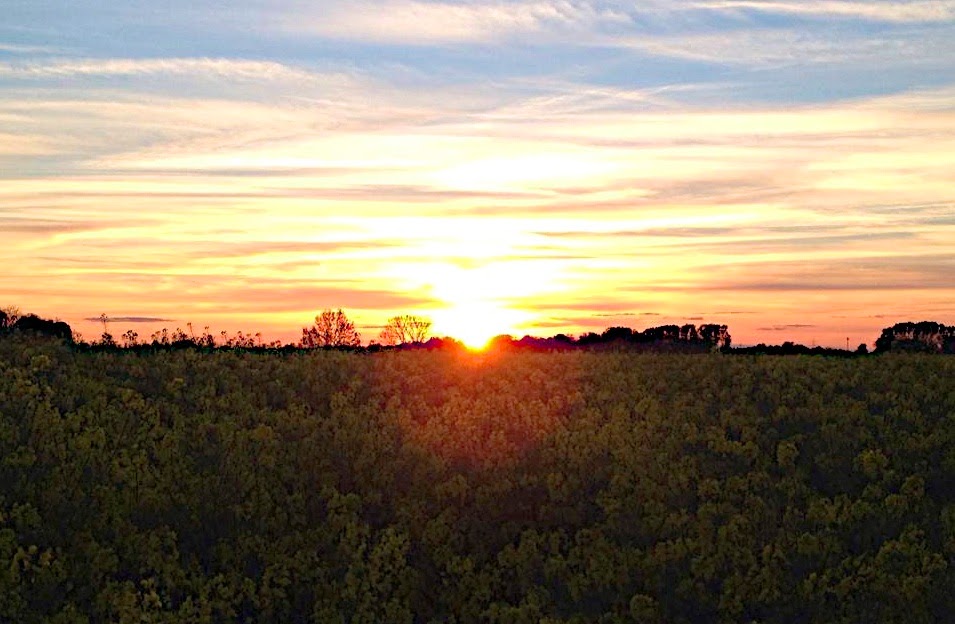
[235,69]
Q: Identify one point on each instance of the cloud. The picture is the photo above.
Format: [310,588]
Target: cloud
[45,226]
[279,296]
[748,155]
[753,241]
[411,22]
[906,11]
[19,145]
[233,69]
[787,327]
[652,232]
[130,319]
[663,27]
[246,249]
[883,273]
[596,308]
[16,48]
[825,49]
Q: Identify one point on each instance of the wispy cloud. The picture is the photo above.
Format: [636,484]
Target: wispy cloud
[15,48]
[787,46]
[883,273]
[787,327]
[129,319]
[904,11]
[24,145]
[411,22]
[234,69]
[35,227]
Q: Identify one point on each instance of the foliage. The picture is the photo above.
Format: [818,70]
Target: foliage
[688,335]
[8,316]
[405,329]
[436,486]
[332,328]
[925,336]
[33,324]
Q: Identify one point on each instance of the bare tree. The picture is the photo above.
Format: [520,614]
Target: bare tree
[331,329]
[404,329]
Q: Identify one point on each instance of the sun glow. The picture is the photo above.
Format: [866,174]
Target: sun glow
[475,323]
[484,301]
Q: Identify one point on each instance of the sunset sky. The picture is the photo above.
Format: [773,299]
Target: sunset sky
[786,167]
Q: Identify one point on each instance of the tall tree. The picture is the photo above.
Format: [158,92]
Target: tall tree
[404,329]
[332,328]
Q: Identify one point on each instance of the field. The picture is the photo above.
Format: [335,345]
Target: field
[182,486]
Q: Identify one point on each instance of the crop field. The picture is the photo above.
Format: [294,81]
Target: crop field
[425,486]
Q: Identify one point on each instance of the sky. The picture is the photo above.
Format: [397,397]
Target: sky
[785,167]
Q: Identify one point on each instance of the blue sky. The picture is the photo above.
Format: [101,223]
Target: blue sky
[245,164]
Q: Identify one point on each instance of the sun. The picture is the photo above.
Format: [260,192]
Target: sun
[475,322]
[483,279]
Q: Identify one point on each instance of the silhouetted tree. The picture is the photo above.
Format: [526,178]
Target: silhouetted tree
[663,332]
[688,333]
[716,335]
[8,316]
[612,334]
[446,343]
[34,324]
[332,328]
[405,329]
[923,336]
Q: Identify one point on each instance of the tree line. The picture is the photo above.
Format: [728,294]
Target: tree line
[332,328]
[926,336]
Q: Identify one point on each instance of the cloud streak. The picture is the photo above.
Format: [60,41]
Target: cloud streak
[411,22]
[129,319]
[233,69]
[907,11]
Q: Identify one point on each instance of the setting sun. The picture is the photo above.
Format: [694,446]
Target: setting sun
[482,301]
[475,323]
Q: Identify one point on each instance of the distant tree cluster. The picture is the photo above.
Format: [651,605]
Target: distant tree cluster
[12,321]
[791,348]
[673,338]
[925,336]
[710,335]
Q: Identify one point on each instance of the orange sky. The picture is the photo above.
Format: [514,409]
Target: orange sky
[246,190]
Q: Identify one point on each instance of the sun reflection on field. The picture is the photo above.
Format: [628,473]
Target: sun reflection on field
[480,409]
